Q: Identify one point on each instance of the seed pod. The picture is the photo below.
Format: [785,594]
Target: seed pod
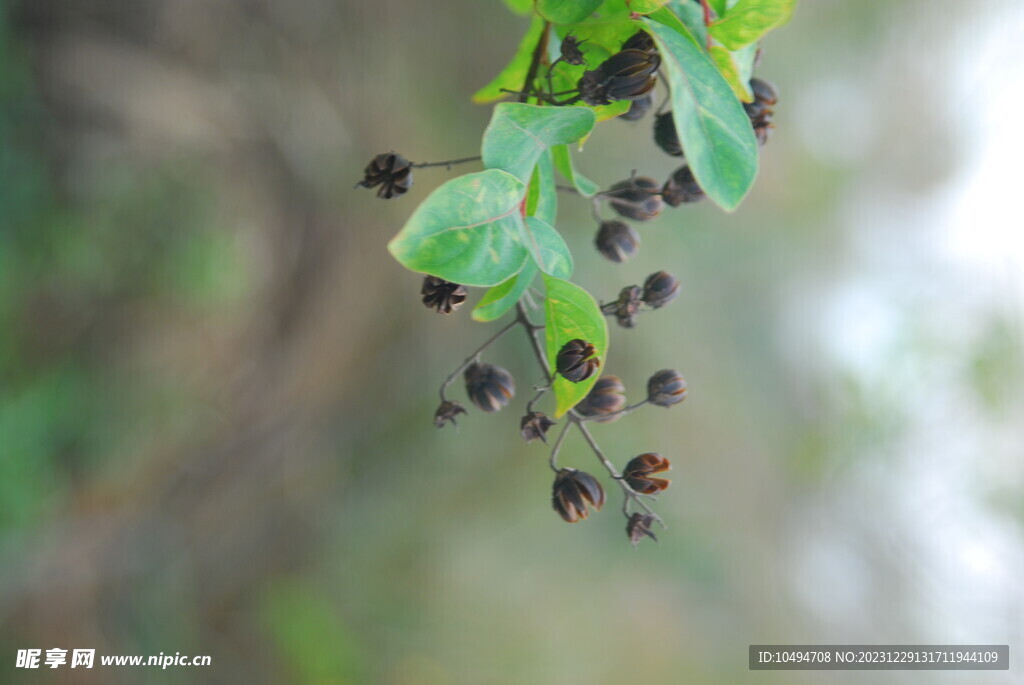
[617,240]
[637,473]
[535,425]
[392,172]
[442,296]
[626,75]
[665,388]
[604,400]
[638,526]
[665,135]
[573,491]
[638,108]
[641,40]
[764,91]
[637,198]
[571,53]
[576,360]
[681,187]
[447,412]
[626,307]
[489,387]
[761,109]
[660,288]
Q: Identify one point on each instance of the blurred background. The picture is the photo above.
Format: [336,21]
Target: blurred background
[217,388]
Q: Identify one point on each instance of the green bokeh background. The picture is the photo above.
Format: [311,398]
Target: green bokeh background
[216,387]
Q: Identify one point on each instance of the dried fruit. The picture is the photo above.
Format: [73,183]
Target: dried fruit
[665,135]
[604,400]
[666,387]
[442,296]
[535,425]
[573,491]
[447,413]
[764,91]
[638,526]
[617,240]
[489,387]
[681,187]
[626,307]
[391,171]
[571,53]
[637,198]
[638,108]
[660,288]
[639,470]
[761,109]
[626,75]
[576,360]
[641,40]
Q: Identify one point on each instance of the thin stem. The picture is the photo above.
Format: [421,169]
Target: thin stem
[447,163]
[531,332]
[615,414]
[707,19]
[538,52]
[473,357]
[553,459]
[540,393]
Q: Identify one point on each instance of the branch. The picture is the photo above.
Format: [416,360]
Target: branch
[473,357]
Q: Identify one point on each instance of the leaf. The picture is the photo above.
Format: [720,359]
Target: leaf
[677,19]
[646,6]
[519,133]
[566,11]
[514,73]
[467,231]
[719,6]
[563,162]
[692,15]
[746,21]
[547,248]
[541,197]
[522,7]
[504,296]
[731,71]
[713,128]
[569,313]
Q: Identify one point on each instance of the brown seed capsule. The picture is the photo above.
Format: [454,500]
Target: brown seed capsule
[660,288]
[761,109]
[573,491]
[571,53]
[764,91]
[638,108]
[489,387]
[637,198]
[626,307]
[665,135]
[639,525]
[391,171]
[666,387]
[576,361]
[617,240]
[535,425]
[681,187]
[626,75]
[447,413]
[637,473]
[442,296]
[641,40]
[604,400]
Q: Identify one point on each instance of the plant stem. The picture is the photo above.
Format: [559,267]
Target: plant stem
[538,52]
[473,357]
[553,459]
[447,163]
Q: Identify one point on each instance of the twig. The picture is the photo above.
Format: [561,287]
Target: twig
[538,52]
[447,163]
[473,357]
[553,459]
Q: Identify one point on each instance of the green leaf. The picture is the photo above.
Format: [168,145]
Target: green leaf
[522,7]
[566,11]
[731,71]
[569,313]
[713,128]
[719,6]
[677,19]
[547,248]
[467,231]
[646,6]
[504,296]
[519,133]
[514,73]
[563,162]
[746,21]
[541,198]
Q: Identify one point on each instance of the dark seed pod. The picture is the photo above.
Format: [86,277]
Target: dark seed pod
[638,108]
[392,172]
[535,425]
[571,53]
[665,135]
[681,187]
[573,491]
[447,413]
[489,387]
[617,240]
[639,525]
[639,470]
[641,40]
[576,361]
[637,198]
[761,109]
[442,296]
[764,91]
[660,288]
[604,400]
[626,307]
[626,75]
[665,388]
